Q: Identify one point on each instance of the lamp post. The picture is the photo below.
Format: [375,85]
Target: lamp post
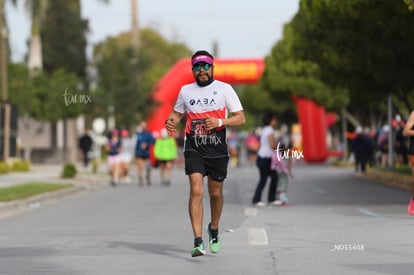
[3,68]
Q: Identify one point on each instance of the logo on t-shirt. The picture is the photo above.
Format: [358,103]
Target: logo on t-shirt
[203,102]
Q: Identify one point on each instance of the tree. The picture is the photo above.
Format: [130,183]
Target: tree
[410,4]
[63,34]
[362,46]
[127,75]
[41,97]
[286,76]
[36,9]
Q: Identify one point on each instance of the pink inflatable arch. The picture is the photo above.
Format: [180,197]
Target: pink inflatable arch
[241,71]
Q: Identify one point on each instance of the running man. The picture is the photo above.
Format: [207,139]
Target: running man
[206,103]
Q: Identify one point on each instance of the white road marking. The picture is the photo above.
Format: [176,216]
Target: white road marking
[257,236]
[250,211]
[370,213]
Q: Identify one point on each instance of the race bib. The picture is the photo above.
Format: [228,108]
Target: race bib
[199,128]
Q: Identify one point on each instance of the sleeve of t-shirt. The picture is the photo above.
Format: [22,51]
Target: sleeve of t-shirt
[233,103]
[179,104]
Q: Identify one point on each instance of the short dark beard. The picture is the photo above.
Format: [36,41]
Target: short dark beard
[205,83]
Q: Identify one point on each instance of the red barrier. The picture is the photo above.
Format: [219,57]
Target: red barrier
[313,118]
[314,122]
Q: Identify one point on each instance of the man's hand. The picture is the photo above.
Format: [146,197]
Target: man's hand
[170,125]
[212,123]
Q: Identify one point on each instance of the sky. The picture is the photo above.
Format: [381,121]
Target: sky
[241,28]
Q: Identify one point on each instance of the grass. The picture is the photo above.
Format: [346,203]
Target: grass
[402,169]
[29,189]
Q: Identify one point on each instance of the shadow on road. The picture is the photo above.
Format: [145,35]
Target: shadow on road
[155,248]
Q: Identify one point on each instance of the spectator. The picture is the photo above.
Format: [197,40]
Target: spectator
[126,155]
[252,145]
[263,162]
[114,147]
[362,147]
[142,153]
[85,145]
[165,151]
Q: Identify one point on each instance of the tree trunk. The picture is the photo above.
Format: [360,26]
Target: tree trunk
[135,37]
[35,60]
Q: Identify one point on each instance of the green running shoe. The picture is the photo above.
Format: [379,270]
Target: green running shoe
[214,240]
[198,250]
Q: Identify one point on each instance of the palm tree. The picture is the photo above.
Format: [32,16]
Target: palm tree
[36,10]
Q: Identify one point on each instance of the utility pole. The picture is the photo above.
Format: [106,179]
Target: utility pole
[4,87]
[135,37]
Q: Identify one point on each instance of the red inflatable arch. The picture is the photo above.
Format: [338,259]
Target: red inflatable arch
[241,71]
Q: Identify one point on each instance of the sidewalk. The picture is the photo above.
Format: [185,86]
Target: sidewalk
[85,181]
[390,178]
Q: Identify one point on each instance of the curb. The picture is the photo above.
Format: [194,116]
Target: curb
[14,207]
[392,179]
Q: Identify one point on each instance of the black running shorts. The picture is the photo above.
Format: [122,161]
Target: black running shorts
[216,168]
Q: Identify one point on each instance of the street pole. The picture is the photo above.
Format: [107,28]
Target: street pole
[4,61]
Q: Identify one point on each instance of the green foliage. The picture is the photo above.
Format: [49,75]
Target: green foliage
[63,34]
[25,190]
[21,166]
[127,76]
[4,167]
[69,170]
[42,95]
[364,47]
[287,75]
[410,4]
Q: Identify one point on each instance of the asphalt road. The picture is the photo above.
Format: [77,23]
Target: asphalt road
[336,223]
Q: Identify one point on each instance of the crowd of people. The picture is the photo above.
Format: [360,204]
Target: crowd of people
[371,147]
[144,151]
[141,148]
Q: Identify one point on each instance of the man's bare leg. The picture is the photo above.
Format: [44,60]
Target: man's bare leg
[195,205]
[215,190]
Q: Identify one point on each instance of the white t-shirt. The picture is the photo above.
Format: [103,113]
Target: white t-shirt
[265,150]
[198,103]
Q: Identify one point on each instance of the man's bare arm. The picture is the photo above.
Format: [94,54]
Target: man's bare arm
[173,119]
[236,120]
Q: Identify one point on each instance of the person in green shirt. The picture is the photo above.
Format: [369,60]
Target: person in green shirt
[165,151]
